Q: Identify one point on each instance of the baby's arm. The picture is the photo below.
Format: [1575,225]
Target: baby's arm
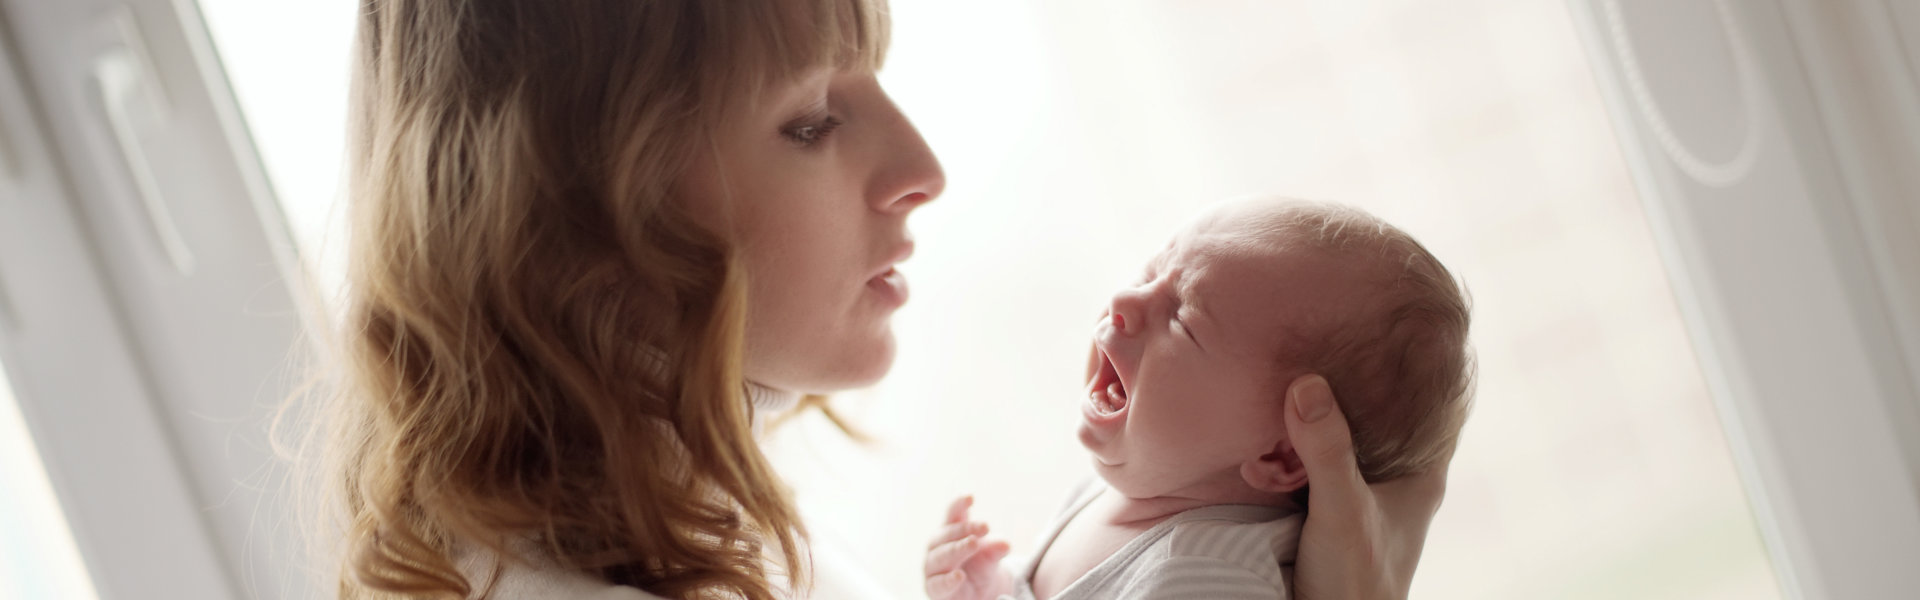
[961,563]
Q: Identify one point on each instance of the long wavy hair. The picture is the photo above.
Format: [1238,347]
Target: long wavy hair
[540,351]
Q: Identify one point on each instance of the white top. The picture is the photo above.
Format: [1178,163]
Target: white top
[535,578]
[1226,551]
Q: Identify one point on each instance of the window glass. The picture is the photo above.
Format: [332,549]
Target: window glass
[288,65]
[37,554]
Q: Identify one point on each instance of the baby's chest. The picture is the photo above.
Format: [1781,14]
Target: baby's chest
[1078,549]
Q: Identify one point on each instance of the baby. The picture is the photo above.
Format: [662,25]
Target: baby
[1201,495]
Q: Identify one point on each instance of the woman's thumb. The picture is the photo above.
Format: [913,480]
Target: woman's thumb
[1319,434]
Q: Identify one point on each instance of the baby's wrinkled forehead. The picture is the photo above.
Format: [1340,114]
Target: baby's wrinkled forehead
[1279,226]
[1272,270]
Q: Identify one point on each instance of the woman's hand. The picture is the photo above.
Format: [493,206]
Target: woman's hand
[961,563]
[1360,542]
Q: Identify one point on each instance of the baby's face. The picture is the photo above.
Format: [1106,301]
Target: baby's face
[1188,387]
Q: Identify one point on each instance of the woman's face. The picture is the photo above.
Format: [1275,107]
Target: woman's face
[818,177]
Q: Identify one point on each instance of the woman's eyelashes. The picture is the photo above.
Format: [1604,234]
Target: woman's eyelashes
[810,132]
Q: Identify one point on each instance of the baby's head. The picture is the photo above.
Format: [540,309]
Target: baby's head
[1192,365]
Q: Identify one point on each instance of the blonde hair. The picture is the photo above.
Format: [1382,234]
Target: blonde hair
[1400,363]
[540,346]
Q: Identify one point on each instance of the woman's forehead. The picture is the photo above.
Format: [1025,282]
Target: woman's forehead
[794,89]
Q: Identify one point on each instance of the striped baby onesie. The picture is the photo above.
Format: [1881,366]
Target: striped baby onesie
[1228,551]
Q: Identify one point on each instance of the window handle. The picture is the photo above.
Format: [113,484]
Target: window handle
[128,85]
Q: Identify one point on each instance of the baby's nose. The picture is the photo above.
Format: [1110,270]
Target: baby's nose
[1126,309]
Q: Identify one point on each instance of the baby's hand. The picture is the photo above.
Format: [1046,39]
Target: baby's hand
[961,563]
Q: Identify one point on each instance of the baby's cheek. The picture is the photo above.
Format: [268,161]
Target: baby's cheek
[1191,424]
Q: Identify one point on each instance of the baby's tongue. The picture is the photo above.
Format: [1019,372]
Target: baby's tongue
[1116,396]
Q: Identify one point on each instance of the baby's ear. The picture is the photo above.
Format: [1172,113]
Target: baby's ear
[1276,472]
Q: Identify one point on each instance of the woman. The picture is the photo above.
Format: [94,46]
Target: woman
[593,241]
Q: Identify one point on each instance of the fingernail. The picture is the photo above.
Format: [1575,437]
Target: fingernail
[1312,399]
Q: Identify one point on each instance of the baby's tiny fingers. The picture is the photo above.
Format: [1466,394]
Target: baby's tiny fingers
[946,556]
[954,531]
[957,511]
[993,552]
[945,584]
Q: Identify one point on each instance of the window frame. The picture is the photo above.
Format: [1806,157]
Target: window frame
[123,357]
[1811,360]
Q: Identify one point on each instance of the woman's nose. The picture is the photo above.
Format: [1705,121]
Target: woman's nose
[912,175]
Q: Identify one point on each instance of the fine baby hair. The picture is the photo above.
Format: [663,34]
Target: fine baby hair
[1399,362]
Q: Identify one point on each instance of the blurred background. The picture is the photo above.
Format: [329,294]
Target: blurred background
[1077,136]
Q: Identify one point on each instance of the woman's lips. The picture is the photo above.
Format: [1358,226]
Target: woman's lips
[890,286]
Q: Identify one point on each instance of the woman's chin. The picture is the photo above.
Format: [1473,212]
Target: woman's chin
[869,366]
[859,365]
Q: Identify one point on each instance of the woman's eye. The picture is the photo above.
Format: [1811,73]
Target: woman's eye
[813,133]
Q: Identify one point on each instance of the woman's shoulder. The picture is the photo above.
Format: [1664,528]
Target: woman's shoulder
[529,576]
[525,582]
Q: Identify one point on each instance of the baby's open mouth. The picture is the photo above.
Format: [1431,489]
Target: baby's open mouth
[1106,392]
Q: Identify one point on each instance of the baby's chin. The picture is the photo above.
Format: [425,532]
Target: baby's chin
[1223,490]
[1116,479]
[1128,483]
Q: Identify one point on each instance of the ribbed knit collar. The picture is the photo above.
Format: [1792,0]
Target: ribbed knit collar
[767,403]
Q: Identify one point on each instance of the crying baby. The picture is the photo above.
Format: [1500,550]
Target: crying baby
[1200,493]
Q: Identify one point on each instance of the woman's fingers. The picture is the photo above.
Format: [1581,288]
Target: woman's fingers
[1360,541]
[1319,434]
[1407,507]
[1340,557]
[1415,496]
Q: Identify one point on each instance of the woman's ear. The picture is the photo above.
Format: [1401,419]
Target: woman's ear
[1278,472]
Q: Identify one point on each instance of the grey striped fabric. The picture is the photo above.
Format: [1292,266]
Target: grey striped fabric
[1229,551]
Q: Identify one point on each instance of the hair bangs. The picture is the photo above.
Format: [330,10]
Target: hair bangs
[785,39]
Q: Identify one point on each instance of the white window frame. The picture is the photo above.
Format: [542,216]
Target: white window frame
[154,327]
[1790,239]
